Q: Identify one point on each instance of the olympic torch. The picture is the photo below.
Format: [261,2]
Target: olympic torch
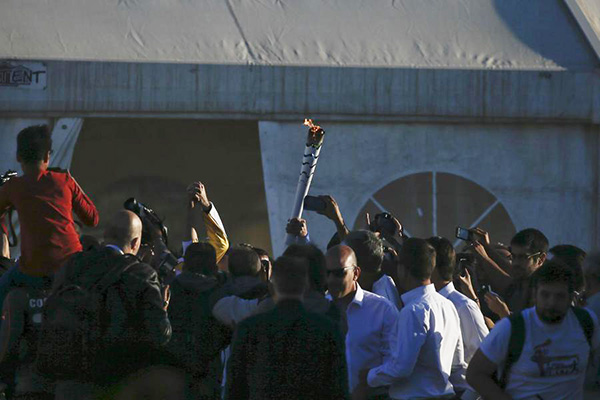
[314,141]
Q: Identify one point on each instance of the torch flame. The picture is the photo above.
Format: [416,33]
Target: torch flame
[311,125]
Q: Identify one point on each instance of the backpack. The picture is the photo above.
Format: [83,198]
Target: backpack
[516,341]
[197,337]
[75,318]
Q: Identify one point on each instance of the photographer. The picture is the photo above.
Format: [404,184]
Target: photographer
[45,200]
[135,328]
[155,250]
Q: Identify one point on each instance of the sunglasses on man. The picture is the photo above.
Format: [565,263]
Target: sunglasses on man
[524,257]
[339,272]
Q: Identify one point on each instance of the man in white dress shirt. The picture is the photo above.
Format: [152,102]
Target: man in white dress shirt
[472,324]
[371,320]
[428,349]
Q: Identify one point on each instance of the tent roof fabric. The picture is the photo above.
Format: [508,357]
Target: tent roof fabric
[456,34]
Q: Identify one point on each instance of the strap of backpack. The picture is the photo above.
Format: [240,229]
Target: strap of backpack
[515,345]
[586,322]
[115,273]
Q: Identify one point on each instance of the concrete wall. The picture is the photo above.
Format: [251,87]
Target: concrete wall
[527,137]
[278,93]
[545,176]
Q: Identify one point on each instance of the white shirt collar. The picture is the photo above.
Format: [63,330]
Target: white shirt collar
[446,290]
[358,296]
[417,292]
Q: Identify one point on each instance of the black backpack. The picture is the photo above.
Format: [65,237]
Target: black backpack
[75,319]
[516,341]
[197,337]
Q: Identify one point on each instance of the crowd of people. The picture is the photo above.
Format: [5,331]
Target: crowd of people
[374,315]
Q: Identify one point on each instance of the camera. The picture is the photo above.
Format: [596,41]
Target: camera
[146,214]
[7,176]
[164,262]
[384,223]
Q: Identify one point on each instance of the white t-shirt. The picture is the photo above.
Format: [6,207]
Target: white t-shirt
[554,358]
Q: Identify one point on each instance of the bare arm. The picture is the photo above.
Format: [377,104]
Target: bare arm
[483,237]
[190,234]
[499,278]
[193,197]
[501,261]
[332,211]
[5,204]
[198,202]
[479,376]
[4,245]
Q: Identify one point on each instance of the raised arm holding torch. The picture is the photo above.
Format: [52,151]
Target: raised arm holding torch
[314,142]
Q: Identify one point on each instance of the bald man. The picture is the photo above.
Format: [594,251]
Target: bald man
[124,233]
[371,319]
[139,325]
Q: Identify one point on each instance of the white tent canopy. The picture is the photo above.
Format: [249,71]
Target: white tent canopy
[458,34]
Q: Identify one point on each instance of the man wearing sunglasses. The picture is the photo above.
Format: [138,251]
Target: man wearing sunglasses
[528,252]
[371,320]
[528,248]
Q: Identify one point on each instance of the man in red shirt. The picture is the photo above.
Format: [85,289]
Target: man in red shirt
[45,200]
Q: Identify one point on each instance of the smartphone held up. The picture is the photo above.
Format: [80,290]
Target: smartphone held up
[314,203]
[463,233]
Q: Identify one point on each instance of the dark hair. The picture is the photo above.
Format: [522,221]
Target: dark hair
[418,257]
[243,261]
[445,260]
[33,143]
[553,271]
[260,251]
[200,258]
[368,249]
[289,275]
[316,264]
[531,239]
[573,257]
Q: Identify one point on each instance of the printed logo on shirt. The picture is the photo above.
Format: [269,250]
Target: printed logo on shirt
[555,365]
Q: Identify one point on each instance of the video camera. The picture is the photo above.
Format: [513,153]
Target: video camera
[146,214]
[165,262]
[7,176]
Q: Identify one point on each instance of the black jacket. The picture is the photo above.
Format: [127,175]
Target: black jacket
[138,323]
[198,338]
[288,354]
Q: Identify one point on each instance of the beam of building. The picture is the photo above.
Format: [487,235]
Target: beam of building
[586,15]
[86,89]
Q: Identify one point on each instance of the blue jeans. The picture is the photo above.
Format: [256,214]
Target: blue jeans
[15,278]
